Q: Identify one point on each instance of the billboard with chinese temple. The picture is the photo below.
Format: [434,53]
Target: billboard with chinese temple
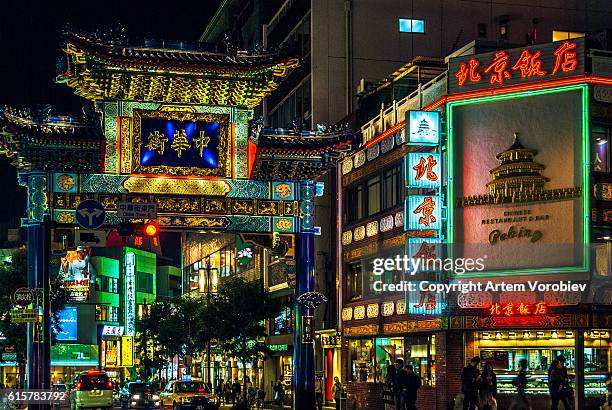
[520,191]
[76,272]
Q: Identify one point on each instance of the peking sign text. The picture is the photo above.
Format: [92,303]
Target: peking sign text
[543,62]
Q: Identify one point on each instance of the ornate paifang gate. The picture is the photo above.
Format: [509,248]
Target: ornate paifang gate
[176,128]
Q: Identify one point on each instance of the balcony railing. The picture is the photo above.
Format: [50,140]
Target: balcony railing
[423,96]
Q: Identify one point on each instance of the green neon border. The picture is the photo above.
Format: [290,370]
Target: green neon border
[585,179]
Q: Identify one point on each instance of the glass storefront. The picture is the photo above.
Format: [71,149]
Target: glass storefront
[504,350]
[370,358]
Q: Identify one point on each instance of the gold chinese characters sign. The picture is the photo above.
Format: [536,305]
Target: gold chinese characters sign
[182,143]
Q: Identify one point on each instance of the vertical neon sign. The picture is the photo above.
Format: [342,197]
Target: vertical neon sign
[130,295]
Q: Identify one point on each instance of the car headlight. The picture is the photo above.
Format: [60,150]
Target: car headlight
[136,397]
[186,399]
[155,397]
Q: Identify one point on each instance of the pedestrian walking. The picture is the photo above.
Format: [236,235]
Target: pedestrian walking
[557,383]
[520,382]
[318,387]
[279,392]
[413,382]
[227,392]
[236,389]
[219,390]
[389,388]
[337,392]
[487,389]
[469,384]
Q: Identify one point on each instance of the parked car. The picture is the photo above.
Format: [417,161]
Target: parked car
[139,395]
[195,395]
[65,404]
[92,389]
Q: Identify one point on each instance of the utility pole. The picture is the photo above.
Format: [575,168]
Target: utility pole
[39,335]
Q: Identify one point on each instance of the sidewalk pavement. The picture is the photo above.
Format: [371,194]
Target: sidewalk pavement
[273,407]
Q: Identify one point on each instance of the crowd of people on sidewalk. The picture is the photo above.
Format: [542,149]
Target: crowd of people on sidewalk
[479,386]
[401,386]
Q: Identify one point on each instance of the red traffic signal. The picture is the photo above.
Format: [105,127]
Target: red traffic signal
[151,229]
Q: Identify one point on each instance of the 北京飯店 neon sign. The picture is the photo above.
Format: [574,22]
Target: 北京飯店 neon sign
[506,67]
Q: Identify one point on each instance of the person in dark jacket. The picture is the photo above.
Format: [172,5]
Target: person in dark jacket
[412,386]
[389,388]
[469,384]
[487,388]
[236,389]
[401,384]
[556,384]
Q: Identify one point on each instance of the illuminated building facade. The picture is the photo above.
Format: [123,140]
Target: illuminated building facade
[533,202]
[176,128]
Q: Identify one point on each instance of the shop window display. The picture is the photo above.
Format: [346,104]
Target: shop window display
[362,360]
[371,358]
[504,350]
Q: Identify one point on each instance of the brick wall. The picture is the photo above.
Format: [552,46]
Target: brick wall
[362,396]
[449,363]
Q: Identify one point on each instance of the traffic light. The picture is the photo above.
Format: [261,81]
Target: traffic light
[151,229]
[125,228]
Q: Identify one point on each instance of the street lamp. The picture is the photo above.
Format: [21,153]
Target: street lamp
[208,280]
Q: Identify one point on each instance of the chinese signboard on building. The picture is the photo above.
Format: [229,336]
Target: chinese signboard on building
[181,143]
[130,293]
[515,66]
[423,170]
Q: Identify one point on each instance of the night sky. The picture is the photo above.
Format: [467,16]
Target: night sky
[30,38]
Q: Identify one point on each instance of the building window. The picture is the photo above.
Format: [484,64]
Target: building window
[143,311]
[503,31]
[295,107]
[144,282]
[300,37]
[373,195]
[108,284]
[283,323]
[113,314]
[102,313]
[600,147]
[565,35]
[354,203]
[392,187]
[482,30]
[411,26]
[354,281]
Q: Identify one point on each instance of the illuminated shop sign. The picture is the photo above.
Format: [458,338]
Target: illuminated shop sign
[423,170]
[519,194]
[422,302]
[278,348]
[423,127]
[428,249]
[423,211]
[181,143]
[68,324]
[518,309]
[75,271]
[127,351]
[518,65]
[108,330]
[130,293]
